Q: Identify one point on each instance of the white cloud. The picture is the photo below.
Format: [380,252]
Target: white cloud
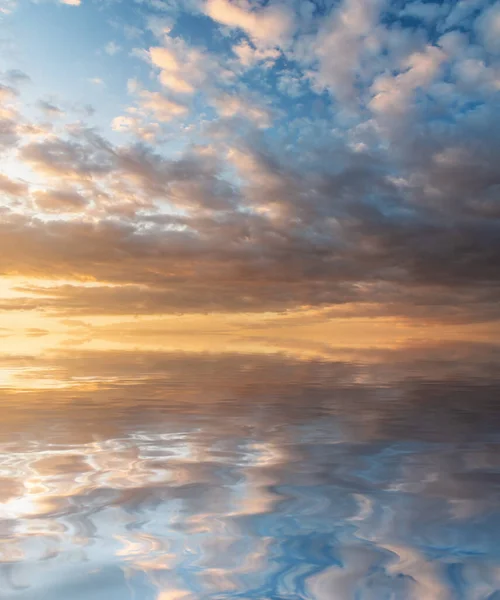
[181,67]
[250,56]
[341,42]
[144,119]
[393,95]
[148,132]
[186,70]
[268,26]
[230,105]
[172,74]
[162,107]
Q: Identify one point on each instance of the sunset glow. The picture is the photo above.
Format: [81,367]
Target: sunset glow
[249,299]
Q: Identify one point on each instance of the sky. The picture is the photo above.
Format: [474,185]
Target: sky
[234,165]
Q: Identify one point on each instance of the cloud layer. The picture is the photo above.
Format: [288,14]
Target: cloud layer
[303,156]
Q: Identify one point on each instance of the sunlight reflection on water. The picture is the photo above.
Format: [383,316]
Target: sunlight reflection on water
[174,476]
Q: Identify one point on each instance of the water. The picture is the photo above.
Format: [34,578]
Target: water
[166,476]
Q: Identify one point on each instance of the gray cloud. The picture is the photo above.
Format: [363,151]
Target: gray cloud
[388,199]
[408,230]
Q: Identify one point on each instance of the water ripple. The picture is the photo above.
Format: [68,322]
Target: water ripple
[277,494]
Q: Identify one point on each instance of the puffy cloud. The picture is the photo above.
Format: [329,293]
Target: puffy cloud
[461,13]
[230,105]
[250,56]
[393,95]
[148,132]
[185,70]
[144,120]
[341,43]
[163,108]
[488,28]
[182,69]
[267,26]
[473,75]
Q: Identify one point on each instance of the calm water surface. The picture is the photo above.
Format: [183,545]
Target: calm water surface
[167,476]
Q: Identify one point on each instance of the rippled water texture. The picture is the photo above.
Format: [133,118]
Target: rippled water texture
[180,476]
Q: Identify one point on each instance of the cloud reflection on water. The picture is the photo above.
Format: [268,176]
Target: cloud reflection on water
[169,476]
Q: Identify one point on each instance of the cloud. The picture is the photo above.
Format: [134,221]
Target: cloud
[59,201]
[144,120]
[475,77]
[426,11]
[249,55]
[246,262]
[267,26]
[290,85]
[16,77]
[343,39]
[162,107]
[82,156]
[50,109]
[339,158]
[175,74]
[461,13]
[7,94]
[112,48]
[148,132]
[7,6]
[12,187]
[488,28]
[185,70]
[9,117]
[393,95]
[287,232]
[230,105]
